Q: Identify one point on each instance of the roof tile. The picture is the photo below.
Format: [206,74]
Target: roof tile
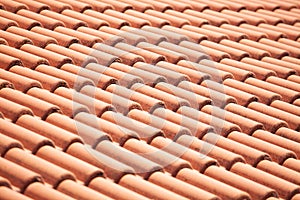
[56,6]
[13,6]
[5,23]
[6,61]
[23,22]
[7,143]
[14,40]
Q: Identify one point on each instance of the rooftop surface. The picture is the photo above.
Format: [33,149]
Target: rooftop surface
[164,99]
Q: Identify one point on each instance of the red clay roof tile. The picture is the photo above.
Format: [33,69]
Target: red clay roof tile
[233,35]
[288,133]
[6,61]
[248,18]
[7,143]
[14,40]
[5,84]
[234,20]
[291,34]
[252,34]
[159,6]
[97,5]
[273,35]
[214,5]
[292,163]
[210,34]
[12,6]
[138,6]
[5,23]
[56,6]
[23,22]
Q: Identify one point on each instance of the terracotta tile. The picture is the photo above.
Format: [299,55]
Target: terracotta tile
[13,6]
[288,133]
[130,37]
[221,126]
[149,57]
[171,101]
[51,173]
[55,59]
[96,107]
[291,27]
[74,81]
[78,58]
[194,56]
[114,190]
[158,5]
[277,153]
[288,12]
[284,64]
[132,20]
[214,54]
[4,183]
[6,144]
[213,20]
[77,5]
[105,76]
[241,97]
[30,140]
[67,106]
[288,95]
[295,10]
[196,101]
[292,44]
[62,39]
[89,135]
[291,119]
[195,75]
[40,191]
[145,132]
[92,22]
[5,84]
[20,82]
[285,5]
[296,197]
[56,6]
[253,20]
[278,140]
[112,21]
[221,189]
[284,188]
[192,36]
[271,34]
[269,19]
[195,5]
[233,35]
[232,5]
[251,34]
[13,111]
[78,191]
[198,161]
[274,51]
[285,18]
[174,20]
[292,163]
[171,36]
[152,38]
[7,194]
[171,164]
[37,39]
[107,38]
[14,40]
[120,103]
[6,61]
[261,73]
[255,190]
[236,54]
[197,128]
[148,103]
[118,134]
[289,108]
[170,129]
[224,157]
[154,21]
[195,21]
[254,52]
[214,5]
[113,169]
[282,72]
[34,6]
[251,155]
[291,34]
[119,6]
[291,60]
[284,83]
[23,22]
[238,74]
[234,20]
[85,173]
[5,23]
[270,123]
[138,6]
[297,103]
[18,175]
[68,21]
[149,78]
[141,165]
[263,95]
[61,138]
[212,35]
[126,57]
[97,5]
[180,187]
[250,5]
[47,22]
[178,6]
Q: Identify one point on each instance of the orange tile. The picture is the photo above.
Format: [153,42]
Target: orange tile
[6,144]
[23,22]
[214,5]
[77,5]
[197,128]
[56,6]
[269,19]
[285,18]
[292,163]
[5,23]
[195,5]
[271,34]
[283,63]
[221,189]
[138,6]
[233,35]
[251,155]
[291,34]
[289,108]
[47,22]
[6,61]
[30,140]
[5,84]
[284,83]
[35,6]
[195,21]
[213,20]
[234,20]
[159,6]
[251,34]
[97,5]
[288,133]
[178,6]
[14,40]
[13,6]
[232,5]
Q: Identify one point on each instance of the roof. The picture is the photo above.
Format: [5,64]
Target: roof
[185,99]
